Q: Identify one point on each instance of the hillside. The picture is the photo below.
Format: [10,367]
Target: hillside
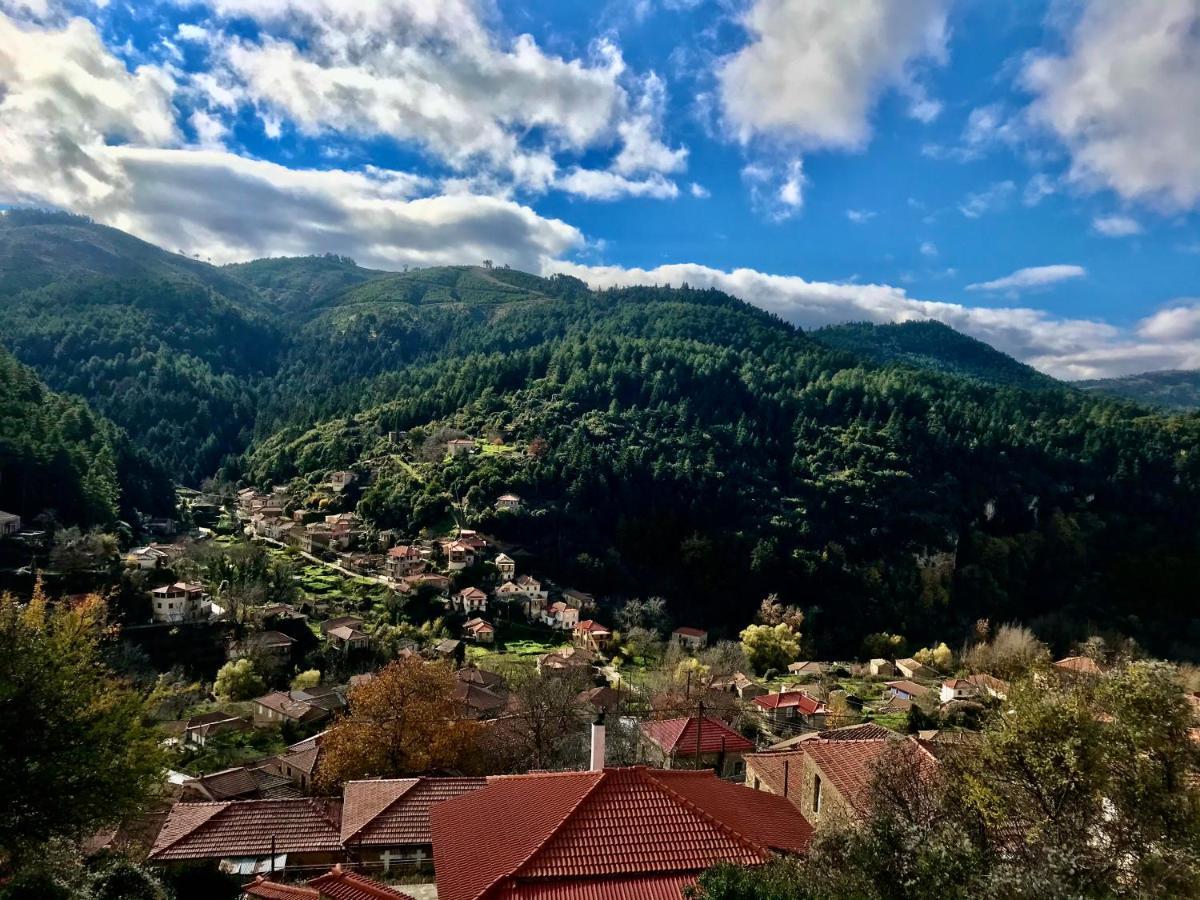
[56,455]
[669,442]
[932,345]
[1168,390]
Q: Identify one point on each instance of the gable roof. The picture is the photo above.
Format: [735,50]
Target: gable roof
[680,735]
[346,633]
[304,754]
[1081,665]
[395,812]
[340,884]
[565,834]
[908,687]
[800,700]
[272,890]
[247,828]
[688,631]
[864,731]
[592,627]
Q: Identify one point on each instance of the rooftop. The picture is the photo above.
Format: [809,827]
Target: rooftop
[683,735]
[247,828]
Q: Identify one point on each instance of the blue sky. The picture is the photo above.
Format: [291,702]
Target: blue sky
[1025,172]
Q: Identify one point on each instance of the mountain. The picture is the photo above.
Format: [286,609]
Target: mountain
[1168,390]
[671,442]
[57,455]
[932,345]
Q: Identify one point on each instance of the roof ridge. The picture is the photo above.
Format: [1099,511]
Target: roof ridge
[379,812]
[703,813]
[604,774]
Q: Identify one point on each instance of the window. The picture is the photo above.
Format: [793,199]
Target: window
[816,803]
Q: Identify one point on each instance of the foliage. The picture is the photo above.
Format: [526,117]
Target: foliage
[74,745]
[882,645]
[239,679]
[233,748]
[1170,390]
[770,647]
[939,658]
[404,721]
[1011,653]
[307,679]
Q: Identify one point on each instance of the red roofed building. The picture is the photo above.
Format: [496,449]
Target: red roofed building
[247,834]
[337,884]
[386,822]
[586,834]
[690,638]
[591,635]
[792,707]
[695,743]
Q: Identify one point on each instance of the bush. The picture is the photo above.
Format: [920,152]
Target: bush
[239,680]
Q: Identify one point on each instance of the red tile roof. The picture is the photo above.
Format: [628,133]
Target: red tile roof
[395,812]
[801,700]
[340,884]
[688,631]
[591,626]
[580,834]
[1083,665]
[247,828]
[272,890]
[679,735]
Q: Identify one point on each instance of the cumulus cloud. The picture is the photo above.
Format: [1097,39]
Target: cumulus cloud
[776,190]
[995,196]
[1123,98]
[598,184]
[80,131]
[812,71]
[699,191]
[1175,323]
[1116,226]
[1032,277]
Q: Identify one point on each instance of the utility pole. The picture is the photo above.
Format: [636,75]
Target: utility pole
[699,730]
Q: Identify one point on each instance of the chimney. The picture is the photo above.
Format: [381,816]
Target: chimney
[598,742]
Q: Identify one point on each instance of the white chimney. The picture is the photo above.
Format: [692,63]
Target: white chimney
[598,743]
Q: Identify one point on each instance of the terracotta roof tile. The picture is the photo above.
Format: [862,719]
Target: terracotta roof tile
[247,828]
[395,812]
[800,700]
[340,884]
[679,735]
[617,833]
[272,890]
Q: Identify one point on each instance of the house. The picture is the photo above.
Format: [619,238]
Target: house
[347,638]
[1079,665]
[479,631]
[565,660]
[586,834]
[910,668]
[690,638]
[299,762]
[146,558]
[336,884]
[506,565]
[578,599]
[339,481]
[990,685]
[881,667]
[252,836]
[461,447]
[509,502]
[493,681]
[508,592]
[738,683]
[532,589]
[459,555]
[448,648]
[355,622]
[694,742]
[469,600]
[599,698]
[405,560]
[906,690]
[829,781]
[386,822]
[238,783]
[791,708]
[472,539]
[479,702]
[865,731]
[807,669]
[301,707]
[180,602]
[591,635]
[198,729]
[10,524]
[274,527]
[957,689]
[274,644]
[561,615]
[284,612]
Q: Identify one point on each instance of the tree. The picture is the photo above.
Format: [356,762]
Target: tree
[1010,654]
[306,679]
[882,645]
[773,612]
[649,614]
[404,721]
[75,747]
[940,658]
[770,647]
[548,728]
[239,680]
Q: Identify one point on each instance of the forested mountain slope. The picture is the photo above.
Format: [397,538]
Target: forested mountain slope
[932,345]
[668,441]
[57,455]
[1169,390]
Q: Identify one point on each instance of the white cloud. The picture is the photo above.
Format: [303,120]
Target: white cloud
[860,216]
[1124,98]
[1116,226]
[929,248]
[598,184]
[65,96]
[1175,323]
[776,190]
[699,191]
[189,32]
[1038,188]
[1032,277]
[812,71]
[642,147]
[994,197]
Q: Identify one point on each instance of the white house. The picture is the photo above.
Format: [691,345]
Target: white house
[690,638]
[509,502]
[470,600]
[561,615]
[180,602]
[145,558]
[461,447]
[506,565]
[339,481]
[459,556]
[881,667]
[957,689]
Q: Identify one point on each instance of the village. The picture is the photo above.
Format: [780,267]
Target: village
[577,718]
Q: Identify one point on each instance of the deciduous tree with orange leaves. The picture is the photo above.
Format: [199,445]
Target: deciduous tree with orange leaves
[404,721]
